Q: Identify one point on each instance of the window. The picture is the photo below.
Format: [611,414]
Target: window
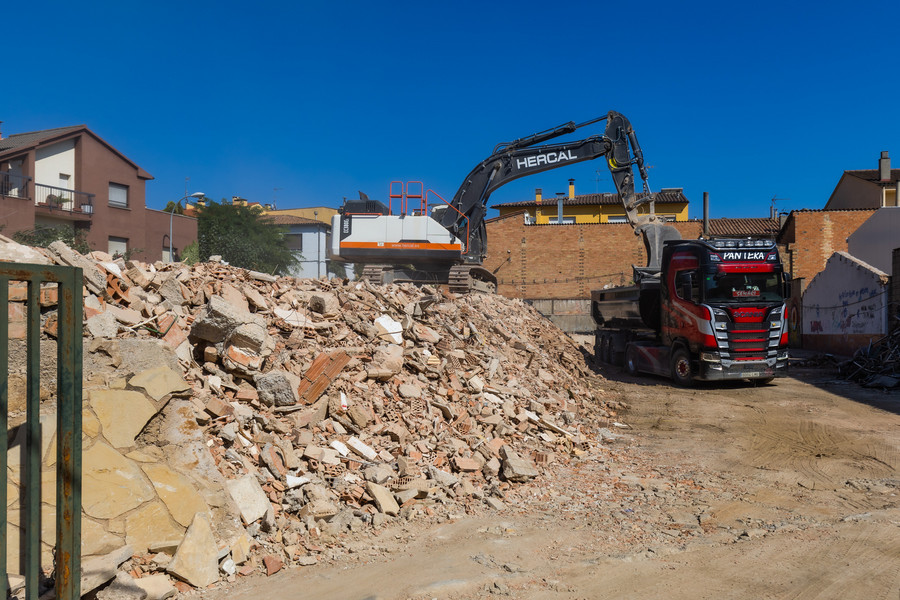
[118,245]
[294,241]
[687,285]
[743,287]
[617,219]
[118,195]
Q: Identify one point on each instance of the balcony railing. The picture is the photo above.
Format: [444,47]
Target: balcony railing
[13,185]
[57,198]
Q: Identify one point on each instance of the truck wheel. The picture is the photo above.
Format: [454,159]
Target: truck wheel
[681,367]
[631,358]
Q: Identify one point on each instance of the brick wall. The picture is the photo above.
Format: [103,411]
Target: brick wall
[815,235]
[565,261]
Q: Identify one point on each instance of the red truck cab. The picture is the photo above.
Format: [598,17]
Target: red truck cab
[723,303]
[715,310]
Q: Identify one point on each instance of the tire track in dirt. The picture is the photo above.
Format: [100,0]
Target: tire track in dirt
[867,550]
[819,451]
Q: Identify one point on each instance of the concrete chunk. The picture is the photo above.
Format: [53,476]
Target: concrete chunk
[384,499]
[515,468]
[278,388]
[250,498]
[218,319]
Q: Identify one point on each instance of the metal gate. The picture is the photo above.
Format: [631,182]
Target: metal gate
[68,429]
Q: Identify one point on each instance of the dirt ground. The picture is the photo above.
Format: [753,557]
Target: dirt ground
[788,490]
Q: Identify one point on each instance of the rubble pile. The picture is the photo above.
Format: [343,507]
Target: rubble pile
[333,407]
[877,364]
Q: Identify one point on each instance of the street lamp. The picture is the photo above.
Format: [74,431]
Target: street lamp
[172,216]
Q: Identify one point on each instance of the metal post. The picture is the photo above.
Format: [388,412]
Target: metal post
[68,459]
[31,465]
[68,438]
[4,419]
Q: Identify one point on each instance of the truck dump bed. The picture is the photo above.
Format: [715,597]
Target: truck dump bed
[617,308]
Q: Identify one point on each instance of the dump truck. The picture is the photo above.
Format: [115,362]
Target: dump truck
[710,310]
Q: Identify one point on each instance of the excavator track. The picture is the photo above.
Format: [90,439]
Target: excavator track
[374,274]
[465,279]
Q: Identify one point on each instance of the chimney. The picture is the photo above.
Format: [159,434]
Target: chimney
[537,195]
[706,215]
[571,189]
[884,166]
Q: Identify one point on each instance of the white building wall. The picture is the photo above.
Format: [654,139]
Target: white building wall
[312,263]
[848,298]
[58,158]
[874,241]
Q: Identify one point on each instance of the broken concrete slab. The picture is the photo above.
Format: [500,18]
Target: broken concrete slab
[515,468]
[384,499]
[177,492]
[98,570]
[122,414]
[249,497]
[160,382]
[112,484]
[156,586]
[196,560]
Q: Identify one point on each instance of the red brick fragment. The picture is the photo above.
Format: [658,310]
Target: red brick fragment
[273,564]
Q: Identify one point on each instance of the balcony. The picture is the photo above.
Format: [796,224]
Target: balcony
[61,202]
[13,185]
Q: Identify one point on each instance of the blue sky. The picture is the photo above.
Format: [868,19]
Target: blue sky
[306,103]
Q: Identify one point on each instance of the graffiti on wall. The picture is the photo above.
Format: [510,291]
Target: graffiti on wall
[859,312]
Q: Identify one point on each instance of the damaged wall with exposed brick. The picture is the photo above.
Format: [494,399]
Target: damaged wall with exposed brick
[810,237]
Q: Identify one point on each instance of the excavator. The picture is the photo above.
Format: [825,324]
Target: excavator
[426,241]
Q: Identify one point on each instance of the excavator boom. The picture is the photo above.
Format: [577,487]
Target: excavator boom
[464,216]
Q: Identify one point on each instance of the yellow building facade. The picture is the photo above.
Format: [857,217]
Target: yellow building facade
[593,208]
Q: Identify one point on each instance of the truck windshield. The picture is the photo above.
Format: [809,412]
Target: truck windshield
[742,287]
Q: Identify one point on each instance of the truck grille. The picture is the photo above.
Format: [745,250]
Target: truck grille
[748,333]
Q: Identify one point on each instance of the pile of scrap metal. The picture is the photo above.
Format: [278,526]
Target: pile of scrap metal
[876,365]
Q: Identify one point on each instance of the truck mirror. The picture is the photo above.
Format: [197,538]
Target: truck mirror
[787,286]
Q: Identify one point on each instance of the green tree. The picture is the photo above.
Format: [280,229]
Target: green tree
[244,237]
[179,209]
[41,237]
[191,253]
[338,269]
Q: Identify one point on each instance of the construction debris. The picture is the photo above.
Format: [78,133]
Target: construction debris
[323,409]
[876,365]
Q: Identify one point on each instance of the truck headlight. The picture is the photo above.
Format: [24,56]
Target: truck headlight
[710,357]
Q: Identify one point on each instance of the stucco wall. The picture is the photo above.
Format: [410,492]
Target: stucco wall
[845,306]
[156,235]
[313,255]
[853,192]
[52,160]
[876,238]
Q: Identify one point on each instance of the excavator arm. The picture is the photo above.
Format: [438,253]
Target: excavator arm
[523,157]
